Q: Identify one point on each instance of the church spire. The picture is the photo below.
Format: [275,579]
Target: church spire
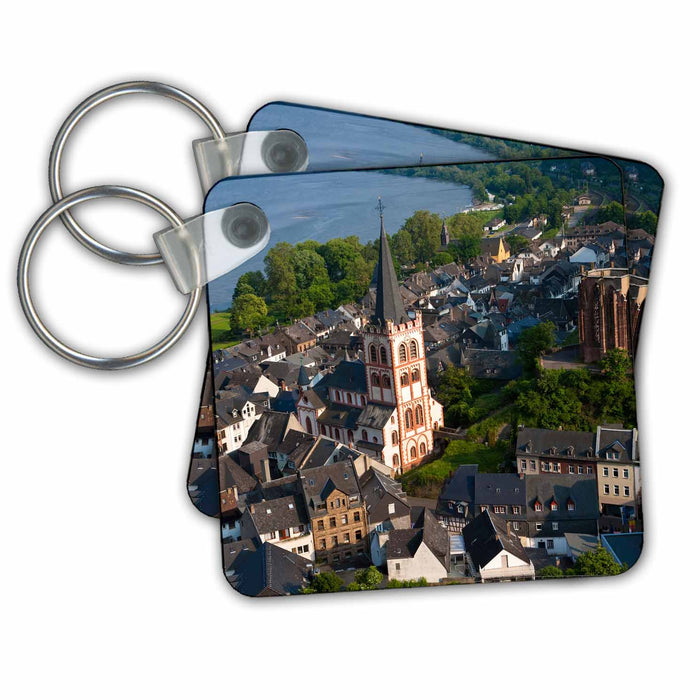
[389,303]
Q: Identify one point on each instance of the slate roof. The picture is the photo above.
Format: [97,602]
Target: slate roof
[487,536]
[460,487]
[389,303]
[269,570]
[375,415]
[582,490]
[271,428]
[404,543]
[499,489]
[374,481]
[232,474]
[341,416]
[620,440]
[542,440]
[346,376]
[278,514]
[318,482]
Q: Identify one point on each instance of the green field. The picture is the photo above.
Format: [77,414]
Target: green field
[427,480]
[220,330]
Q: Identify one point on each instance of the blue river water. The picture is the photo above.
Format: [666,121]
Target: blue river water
[322,206]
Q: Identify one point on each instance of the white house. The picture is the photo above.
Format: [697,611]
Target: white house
[492,552]
[589,254]
[419,552]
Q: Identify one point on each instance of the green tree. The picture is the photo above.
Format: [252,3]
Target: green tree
[281,279]
[248,313]
[454,391]
[325,582]
[517,243]
[368,579]
[550,572]
[466,248]
[255,280]
[535,342]
[424,228]
[599,562]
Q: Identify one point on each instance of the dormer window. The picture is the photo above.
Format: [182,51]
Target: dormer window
[570,506]
[538,507]
[528,447]
[554,506]
[570,451]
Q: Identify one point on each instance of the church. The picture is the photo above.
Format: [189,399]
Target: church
[380,405]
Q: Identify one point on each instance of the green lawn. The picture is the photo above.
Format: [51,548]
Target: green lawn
[428,479]
[220,330]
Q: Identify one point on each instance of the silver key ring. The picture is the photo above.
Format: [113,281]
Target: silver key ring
[30,312]
[104,95]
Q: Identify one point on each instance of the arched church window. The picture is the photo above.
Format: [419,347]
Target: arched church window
[395,460]
[351,436]
[419,415]
[404,378]
[375,379]
[348,397]
[323,430]
[364,435]
[413,349]
[422,449]
[308,425]
[415,374]
[382,355]
[394,438]
[408,418]
[372,353]
[413,452]
[402,352]
[386,382]
[363,400]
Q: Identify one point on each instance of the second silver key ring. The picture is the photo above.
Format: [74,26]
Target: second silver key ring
[98,98]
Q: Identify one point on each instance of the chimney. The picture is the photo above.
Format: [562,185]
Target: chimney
[508,528]
[283,385]
[266,470]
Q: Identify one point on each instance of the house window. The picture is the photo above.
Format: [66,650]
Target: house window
[532,465]
[483,508]
[397,566]
[571,469]
[626,473]
[334,541]
[344,520]
[554,505]
[538,526]
[550,544]
[321,526]
[570,506]
[616,472]
[523,464]
[346,537]
[580,470]
[358,535]
[617,490]
[515,526]
[606,471]
[555,526]
[333,522]
[538,507]
[589,470]
[499,509]
[606,489]
[516,510]
[323,544]
[391,508]
[627,490]
[356,516]
[460,509]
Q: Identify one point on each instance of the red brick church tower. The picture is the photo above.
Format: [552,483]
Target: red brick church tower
[394,355]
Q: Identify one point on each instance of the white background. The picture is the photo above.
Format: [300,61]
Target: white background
[111,581]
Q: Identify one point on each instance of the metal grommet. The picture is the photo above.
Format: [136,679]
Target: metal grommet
[108,93]
[30,312]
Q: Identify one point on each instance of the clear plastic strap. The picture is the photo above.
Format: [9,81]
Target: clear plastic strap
[249,153]
[210,245]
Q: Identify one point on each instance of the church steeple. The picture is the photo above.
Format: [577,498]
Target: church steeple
[389,303]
